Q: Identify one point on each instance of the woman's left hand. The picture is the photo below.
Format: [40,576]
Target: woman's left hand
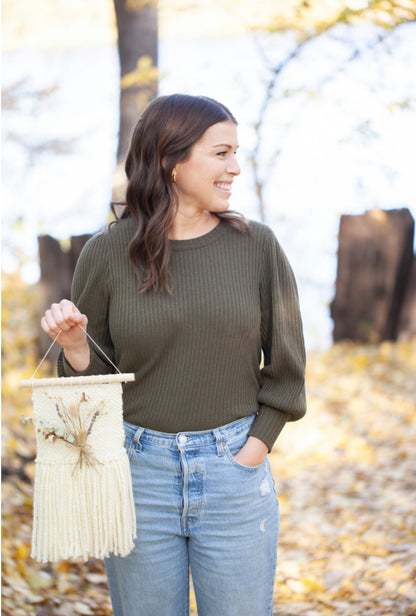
[253,453]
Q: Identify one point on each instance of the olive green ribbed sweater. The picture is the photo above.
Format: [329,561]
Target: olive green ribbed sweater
[196,353]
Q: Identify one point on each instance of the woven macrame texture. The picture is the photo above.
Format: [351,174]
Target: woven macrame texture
[83,501]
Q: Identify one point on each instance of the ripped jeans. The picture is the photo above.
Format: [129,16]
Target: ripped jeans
[197,509]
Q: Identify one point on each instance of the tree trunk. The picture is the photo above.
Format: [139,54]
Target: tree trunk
[56,271]
[374,262]
[138,51]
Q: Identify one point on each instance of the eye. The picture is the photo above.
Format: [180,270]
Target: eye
[222,153]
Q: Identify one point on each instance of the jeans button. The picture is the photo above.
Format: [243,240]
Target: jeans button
[182,439]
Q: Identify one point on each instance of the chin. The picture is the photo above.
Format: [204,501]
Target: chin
[220,209]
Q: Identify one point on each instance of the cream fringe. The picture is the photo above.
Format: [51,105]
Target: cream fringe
[87,512]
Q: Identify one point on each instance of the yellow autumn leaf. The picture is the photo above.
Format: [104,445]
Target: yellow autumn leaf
[312,584]
[22,551]
[145,74]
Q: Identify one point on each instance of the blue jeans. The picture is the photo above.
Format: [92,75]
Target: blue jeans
[197,508]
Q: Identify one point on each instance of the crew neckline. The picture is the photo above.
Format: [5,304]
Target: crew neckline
[200,241]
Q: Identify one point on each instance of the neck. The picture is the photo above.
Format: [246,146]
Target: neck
[188,227]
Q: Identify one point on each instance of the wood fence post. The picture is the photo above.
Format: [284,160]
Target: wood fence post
[56,270]
[375,257]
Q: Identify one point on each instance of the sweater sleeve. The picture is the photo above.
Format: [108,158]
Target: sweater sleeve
[282,393]
[91,296]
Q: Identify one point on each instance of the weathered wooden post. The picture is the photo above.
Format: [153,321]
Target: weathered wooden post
[407,319]
[375,257]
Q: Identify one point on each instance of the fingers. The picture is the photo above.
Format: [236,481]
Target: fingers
[70,313]
[61,318]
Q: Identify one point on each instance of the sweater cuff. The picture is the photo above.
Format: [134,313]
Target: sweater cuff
[63,367]
[268,424]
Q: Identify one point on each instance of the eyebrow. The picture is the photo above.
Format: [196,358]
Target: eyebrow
[224,145]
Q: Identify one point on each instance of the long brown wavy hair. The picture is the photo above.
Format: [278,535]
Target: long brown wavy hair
[166,131]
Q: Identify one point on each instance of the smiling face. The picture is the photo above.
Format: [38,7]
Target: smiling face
[204,180]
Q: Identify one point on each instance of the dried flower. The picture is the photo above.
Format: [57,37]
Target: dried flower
[77,423]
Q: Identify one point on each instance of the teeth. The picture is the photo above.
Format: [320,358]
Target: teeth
[223,186]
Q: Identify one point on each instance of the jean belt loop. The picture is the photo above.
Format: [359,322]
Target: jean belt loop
[136,438]
[220,442]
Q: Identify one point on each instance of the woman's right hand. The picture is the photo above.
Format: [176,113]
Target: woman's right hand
[64,318]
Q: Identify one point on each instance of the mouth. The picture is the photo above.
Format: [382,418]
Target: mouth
[224,187]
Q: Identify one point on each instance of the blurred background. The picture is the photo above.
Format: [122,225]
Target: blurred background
[325,96]
[324,93]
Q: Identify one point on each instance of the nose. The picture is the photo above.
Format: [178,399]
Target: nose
[233,166]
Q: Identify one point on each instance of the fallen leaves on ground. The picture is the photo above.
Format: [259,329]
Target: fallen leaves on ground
[345,475]
[346,480]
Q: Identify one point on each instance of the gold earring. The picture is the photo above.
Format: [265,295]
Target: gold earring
[173,177]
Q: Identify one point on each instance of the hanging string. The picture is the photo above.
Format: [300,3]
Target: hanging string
[99,348]
[46,354]
[56,338]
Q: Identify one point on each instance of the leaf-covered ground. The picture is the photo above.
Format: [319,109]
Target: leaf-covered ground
[346,477]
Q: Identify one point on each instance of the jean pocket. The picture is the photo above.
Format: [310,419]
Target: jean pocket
[232,449]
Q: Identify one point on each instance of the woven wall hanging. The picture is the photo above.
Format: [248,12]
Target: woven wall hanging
[83,502]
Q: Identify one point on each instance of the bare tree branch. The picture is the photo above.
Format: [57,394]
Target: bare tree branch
[276,72]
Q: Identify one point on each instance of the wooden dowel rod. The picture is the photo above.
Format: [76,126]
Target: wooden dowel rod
[95,379]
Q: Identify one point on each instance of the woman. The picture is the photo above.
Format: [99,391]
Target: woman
[189,297]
